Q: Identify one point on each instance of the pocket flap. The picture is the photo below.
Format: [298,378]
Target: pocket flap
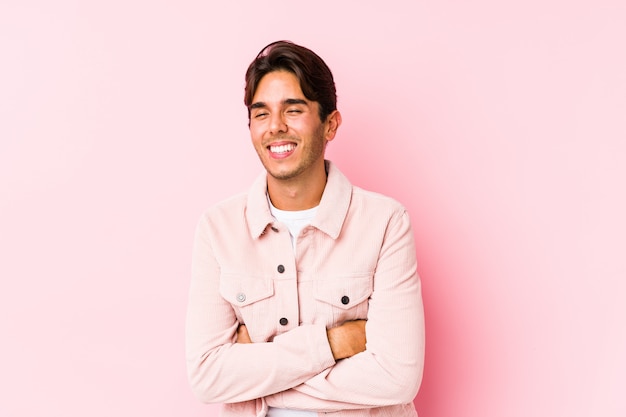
[243,290]
[344,292]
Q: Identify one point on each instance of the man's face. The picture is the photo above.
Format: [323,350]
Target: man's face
[286,129]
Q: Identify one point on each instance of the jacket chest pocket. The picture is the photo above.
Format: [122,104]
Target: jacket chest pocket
[343,298]
[253,300]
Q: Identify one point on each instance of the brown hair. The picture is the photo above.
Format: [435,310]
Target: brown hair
[316,79]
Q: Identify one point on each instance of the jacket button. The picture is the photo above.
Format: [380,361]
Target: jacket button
[345,300]
[281,268]
[241,297]
[283,321]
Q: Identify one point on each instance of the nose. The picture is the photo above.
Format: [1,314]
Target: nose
[277,124]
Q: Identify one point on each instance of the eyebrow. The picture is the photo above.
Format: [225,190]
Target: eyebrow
[288,101]
[295,101]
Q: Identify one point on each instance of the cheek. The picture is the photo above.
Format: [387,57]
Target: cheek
[256,134]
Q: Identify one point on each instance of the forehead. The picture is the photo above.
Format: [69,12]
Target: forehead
[278,86]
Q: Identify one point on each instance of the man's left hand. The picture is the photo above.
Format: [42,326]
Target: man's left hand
[242,334]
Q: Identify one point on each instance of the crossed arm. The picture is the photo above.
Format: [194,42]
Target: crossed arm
[339,372]
[345,340]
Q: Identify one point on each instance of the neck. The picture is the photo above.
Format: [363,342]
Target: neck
[297,193]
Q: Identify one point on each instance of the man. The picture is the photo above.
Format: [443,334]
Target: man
[304,296]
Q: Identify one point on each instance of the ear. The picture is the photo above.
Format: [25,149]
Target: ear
[333,121]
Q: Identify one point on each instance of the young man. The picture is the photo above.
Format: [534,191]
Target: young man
[304,297]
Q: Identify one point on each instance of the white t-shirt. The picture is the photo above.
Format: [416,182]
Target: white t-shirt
[295,222]
[285,412]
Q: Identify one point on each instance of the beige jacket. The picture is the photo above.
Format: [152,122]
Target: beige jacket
[355,261]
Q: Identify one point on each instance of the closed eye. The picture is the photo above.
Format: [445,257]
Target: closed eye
[258,110]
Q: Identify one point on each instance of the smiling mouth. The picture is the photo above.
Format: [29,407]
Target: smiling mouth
[282,149]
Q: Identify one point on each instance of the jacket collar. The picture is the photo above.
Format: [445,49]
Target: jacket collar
[331,212]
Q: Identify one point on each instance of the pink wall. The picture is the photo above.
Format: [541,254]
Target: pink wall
[500,125]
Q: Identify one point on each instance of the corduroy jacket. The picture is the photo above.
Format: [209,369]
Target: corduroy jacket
[356,260]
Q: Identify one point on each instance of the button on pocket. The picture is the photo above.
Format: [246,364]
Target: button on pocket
[344,291]
[343,298]
[244,290]
[252,299]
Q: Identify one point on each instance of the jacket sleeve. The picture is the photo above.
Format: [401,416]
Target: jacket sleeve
[390,370]
[220,370]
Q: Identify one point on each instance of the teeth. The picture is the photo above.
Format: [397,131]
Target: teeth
[282,148]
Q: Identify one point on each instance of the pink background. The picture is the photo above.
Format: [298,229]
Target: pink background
[500,125]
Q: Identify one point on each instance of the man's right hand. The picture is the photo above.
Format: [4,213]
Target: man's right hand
[347,339]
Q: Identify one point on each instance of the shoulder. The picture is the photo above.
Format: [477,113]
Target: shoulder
[376,201]
[359,198]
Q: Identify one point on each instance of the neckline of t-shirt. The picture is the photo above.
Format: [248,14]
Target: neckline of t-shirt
[292,214]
